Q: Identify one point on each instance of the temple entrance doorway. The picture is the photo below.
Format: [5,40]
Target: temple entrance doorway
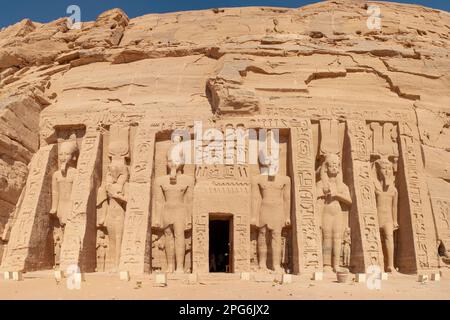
[220,242]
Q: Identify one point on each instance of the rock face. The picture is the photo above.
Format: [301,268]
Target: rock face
[377,98]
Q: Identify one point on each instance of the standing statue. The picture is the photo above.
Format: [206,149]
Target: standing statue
[346,248]
[62,183]
[333,202]
[102,247]
[271,211]
[387,199]
[112,197]
[173,207]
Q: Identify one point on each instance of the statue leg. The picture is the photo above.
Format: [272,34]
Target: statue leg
[262,248]
[114,224]
[57,244]
[170,250]
[111,254]
[327,239]
[337,234]
[387,232]
[58,234]
[276,250]
[180,246]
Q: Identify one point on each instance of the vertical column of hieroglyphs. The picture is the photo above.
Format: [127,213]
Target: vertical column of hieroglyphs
[136,243]
[26,249]
[200,235]
[307,249]
[78,247]
[419,204]
[364,200]
[242,230]
[441,211]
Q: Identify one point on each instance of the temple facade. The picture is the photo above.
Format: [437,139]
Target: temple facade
[105,194]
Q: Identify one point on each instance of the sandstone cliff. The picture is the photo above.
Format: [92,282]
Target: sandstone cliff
[203,64]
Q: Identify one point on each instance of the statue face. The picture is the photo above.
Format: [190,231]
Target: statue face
[333,166]
[385,169]
[116,169]
[174,167]
[66,154]
[270,166]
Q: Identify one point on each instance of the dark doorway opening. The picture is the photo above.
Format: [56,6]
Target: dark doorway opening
[220,228]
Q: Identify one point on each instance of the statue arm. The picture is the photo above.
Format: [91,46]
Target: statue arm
[189,200]
[55,194]
[343,195]
[101,207]
[158,205]
[394,209]
[287,201]
[122,181]
[320,194]
[256,201]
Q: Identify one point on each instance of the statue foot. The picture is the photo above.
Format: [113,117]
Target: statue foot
[279,270]
[170,269]
[179,271]
[392,270]
[264,269]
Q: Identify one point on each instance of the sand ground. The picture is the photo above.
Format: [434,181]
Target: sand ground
[42,285]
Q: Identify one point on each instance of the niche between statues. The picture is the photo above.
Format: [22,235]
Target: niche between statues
[164,238]
[112,194]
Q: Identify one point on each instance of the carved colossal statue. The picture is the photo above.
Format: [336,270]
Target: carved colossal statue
[271,211]
[333,202]
[112,196]
[173,207]
[387,199]
[62,183]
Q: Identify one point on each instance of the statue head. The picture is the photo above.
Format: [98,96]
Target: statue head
[331,168]
[175,158]
[68,154]
[385,170]
[269,165]
[332,165]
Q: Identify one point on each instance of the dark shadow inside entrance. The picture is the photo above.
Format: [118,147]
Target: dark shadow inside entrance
[220,228]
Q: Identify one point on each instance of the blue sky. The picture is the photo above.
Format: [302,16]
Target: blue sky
[46,10]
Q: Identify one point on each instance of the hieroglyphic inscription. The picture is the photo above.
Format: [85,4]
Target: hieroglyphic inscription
[79,243]
[419,207]
[441,211]
[308,244]
[136,244]
[364,199]
[241,253]
[347,112]
[26,249]
[200,239]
